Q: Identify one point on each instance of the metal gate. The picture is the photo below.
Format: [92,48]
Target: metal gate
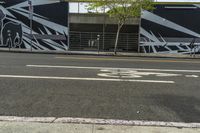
[102,42]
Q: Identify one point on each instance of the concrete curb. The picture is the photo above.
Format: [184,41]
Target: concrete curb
[98,121]
[95,53]
[127,122]
[29,127]
[28,119]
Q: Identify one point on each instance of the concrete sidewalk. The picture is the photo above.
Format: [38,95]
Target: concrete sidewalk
[95,53]
[31,127]
[13,124]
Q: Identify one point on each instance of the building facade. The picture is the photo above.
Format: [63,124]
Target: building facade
[34,25]
[90,30]
[171,28]
[98,32]
[45,25]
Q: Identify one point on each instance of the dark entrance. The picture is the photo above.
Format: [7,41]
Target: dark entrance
[102,37]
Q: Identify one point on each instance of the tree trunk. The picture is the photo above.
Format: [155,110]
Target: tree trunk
[117,38]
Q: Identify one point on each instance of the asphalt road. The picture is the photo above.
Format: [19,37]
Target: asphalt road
[155,89]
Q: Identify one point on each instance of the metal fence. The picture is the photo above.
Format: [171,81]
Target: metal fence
[103,41]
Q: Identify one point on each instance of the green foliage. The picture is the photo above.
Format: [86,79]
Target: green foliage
[121,9]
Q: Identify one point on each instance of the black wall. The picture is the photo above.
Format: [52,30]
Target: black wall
[187,16]
[171,29]
[49,25]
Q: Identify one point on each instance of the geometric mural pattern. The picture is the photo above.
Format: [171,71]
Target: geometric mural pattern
[166,30]
[49,30]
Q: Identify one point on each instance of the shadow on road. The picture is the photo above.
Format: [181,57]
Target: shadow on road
[186,108]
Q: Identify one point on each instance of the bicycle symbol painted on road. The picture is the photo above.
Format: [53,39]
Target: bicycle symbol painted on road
[121,73]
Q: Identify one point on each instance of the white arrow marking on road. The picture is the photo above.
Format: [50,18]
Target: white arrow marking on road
[85,79]
[97,68]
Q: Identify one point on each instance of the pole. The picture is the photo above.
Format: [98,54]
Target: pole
[140,24]
[98,38]
[31,22]
[104,26]
[78,7]
[149,49]
[68,21]
[31,33]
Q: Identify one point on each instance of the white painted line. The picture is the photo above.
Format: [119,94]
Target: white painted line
[98,68]
[98,121]
[85,79]
[27,119]
[192,76]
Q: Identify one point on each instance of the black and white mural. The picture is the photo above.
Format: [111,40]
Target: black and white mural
[34,24]
[171,29]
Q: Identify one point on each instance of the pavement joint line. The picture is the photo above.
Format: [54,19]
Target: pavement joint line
[139,60]
[86,79]
[99,68]
[66,120]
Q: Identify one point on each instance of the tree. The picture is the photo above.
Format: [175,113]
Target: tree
[121,10]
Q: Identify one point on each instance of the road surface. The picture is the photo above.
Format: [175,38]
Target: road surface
[123,88]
